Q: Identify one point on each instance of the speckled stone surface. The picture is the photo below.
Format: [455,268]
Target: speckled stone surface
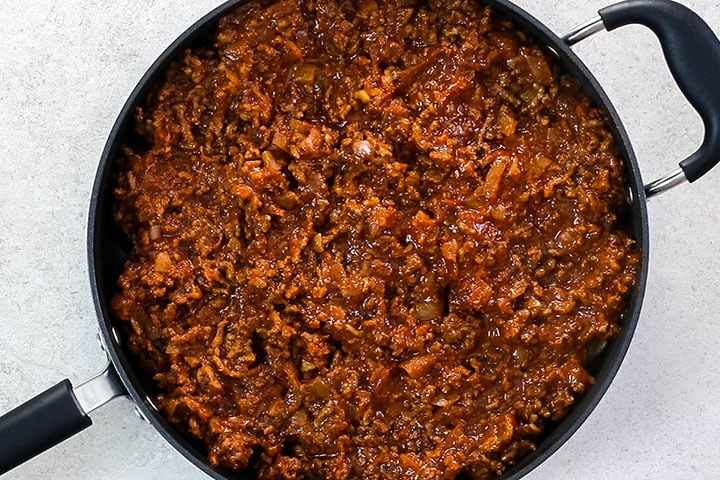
[66,68]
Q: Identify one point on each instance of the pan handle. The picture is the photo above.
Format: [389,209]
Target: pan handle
[692,51]
[53,416]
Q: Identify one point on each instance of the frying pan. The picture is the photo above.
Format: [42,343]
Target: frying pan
[693,54]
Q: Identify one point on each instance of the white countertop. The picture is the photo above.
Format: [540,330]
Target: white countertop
[66,68]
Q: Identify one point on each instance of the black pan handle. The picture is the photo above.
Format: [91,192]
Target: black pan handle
[39,424]
[692,51]
[53,416]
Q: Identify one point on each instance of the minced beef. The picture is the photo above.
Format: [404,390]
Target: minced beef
[371,239]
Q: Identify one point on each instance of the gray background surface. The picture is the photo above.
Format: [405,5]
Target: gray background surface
[66,68]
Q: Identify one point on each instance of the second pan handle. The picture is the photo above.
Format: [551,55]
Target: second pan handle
[53,416]
[692,51]
[39,424]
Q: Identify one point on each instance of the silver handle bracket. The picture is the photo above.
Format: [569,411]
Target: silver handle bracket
[99,390]
[584,31]
[665,183]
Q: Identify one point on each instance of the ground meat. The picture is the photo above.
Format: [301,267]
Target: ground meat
[371,240]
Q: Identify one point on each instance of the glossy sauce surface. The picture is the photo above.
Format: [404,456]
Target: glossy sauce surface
[371,240]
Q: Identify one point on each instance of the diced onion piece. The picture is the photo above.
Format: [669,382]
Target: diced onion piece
[306,366]
[281,141]
[539,69]
[542,163]
[528,95]
[506,122]
[363,96]
[155,232]
[428,311]
[163,263]
[242,191]
[318,388]
[418,366]
[362,148]
[494,177]
[270,161]
[305,73]
[499,212]
[301,417]
[293,50]
[299,126]
[367,7]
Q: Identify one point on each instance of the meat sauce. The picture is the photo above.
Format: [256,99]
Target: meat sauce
[370,240]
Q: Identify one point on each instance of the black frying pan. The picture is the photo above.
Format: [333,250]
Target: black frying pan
[693,53]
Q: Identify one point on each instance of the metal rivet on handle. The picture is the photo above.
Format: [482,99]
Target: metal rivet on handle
[151,402]
[140,414]
[116,336]
[99,339]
